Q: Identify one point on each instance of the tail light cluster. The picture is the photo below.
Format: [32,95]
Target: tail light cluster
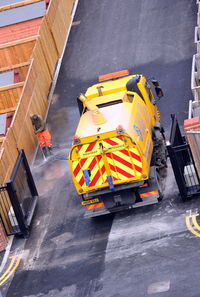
[76,140]
[120,129]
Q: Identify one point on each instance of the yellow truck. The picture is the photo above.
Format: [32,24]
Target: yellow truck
[118,151]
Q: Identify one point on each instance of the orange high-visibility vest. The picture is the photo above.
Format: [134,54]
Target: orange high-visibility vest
[44,138]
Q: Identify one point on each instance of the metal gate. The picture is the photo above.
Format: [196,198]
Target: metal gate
[182,162]
[18,199]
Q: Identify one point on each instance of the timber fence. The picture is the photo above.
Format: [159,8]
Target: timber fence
[33,62]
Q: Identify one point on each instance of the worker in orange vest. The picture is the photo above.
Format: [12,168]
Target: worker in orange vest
[43,134]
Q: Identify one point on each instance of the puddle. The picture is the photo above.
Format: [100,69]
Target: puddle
[159,287]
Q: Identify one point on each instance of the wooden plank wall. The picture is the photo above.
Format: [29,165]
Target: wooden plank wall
[16,66]
[8,156]
[59,18]
[16,52]
[22,72]
[9,95]
[42,52]
[33,100]
[48,46]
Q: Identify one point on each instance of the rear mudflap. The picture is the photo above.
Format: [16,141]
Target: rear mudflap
[152,188]
[126,198]
[99,211]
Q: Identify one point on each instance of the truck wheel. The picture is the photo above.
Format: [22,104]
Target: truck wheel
[159,157]
[160,198]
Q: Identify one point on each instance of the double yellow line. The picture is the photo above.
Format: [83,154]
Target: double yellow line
[14,263]
[191,223]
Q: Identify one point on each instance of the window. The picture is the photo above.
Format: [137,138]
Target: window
[149,91]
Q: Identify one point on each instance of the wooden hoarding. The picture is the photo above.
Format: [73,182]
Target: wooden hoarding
[16,52]
[59,20]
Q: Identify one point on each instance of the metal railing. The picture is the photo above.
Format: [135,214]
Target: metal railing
[182,163]
[18,199]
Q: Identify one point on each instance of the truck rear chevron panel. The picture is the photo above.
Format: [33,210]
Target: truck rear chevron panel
[122,163]
[89,149]
[118,169]
[112,142]
[96,168]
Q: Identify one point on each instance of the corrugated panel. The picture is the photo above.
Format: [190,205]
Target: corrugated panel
[22,14]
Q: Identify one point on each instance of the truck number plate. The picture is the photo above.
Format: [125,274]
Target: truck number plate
[90,201]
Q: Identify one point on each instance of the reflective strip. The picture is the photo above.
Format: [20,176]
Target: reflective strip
[135,155]
[89,149]
[148,194]
[121,170]
[96,167]
[113,142]
[125,164]
[96,205]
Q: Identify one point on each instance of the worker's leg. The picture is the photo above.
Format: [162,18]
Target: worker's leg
[47,138]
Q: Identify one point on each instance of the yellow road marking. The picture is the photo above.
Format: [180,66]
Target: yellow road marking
[9,272]
[189,226]
[194,220]
[9,268]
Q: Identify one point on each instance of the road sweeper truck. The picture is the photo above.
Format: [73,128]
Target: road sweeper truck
[118,152]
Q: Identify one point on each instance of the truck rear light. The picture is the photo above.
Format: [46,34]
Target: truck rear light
[144,185]
[76,140]
[120,129]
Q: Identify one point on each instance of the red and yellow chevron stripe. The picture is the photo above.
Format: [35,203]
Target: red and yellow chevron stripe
[96,168]
[113,142]
[96,205]
[122,163]
[90,149]
[125,164]
[148,194]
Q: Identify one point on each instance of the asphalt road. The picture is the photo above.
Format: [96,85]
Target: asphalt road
[139,253]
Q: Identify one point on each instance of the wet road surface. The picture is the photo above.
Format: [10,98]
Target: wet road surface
[143,252]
